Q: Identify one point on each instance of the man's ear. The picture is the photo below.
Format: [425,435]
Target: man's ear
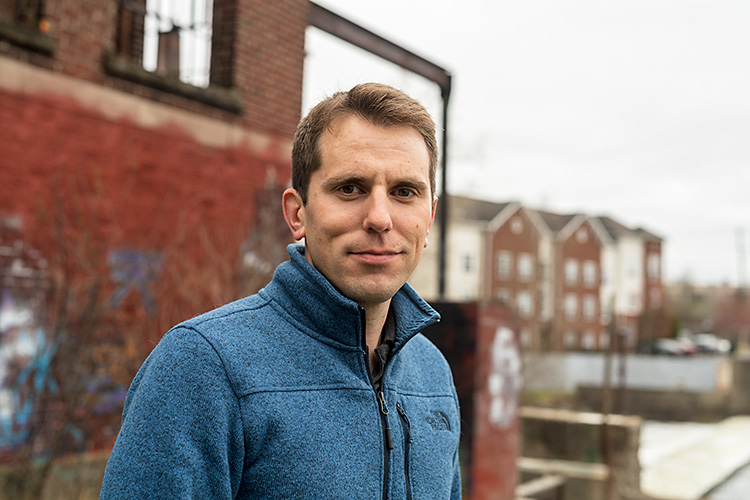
[294,213]
[432,220]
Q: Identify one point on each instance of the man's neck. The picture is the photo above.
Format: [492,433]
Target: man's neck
[375,316]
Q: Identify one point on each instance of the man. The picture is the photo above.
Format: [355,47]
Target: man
[320,386]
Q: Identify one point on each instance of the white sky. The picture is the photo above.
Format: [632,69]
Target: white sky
[639,110]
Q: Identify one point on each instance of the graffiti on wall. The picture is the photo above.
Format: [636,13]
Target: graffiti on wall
[134,271]
[26,351]
[38,384]
[505,379]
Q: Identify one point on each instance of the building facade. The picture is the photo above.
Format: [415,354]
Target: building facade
[573,280]
[142,146]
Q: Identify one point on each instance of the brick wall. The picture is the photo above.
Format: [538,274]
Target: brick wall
[141,206]
[480,344]
[261,48]
[581,245]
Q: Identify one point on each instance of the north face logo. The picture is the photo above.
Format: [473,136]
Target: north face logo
[438,421]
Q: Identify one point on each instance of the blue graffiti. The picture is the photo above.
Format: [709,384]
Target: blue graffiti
[35,377]
[134,270]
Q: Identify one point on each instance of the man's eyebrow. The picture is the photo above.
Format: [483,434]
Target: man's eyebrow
[417,184]
[342,180]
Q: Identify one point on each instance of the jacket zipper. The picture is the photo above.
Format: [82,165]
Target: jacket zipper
[407,440]
[382,410]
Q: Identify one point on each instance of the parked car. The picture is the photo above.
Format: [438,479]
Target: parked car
[673,347]
[709,343]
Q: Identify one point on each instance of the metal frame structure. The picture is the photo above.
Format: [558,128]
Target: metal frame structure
[358,36]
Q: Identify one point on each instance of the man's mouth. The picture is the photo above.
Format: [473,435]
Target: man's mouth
[375,256]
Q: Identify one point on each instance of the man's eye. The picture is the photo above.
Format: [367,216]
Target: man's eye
[404,192]
[349,189]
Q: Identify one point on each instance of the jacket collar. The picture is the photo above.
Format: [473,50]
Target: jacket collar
[309,301]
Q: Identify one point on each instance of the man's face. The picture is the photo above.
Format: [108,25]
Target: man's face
[369,208]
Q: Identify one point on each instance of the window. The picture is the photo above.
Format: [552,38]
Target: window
[634,301]
[571,271]
[169,37]
[589,307]
[172,46]
[504,295]
[571,306]
[632,269]
[654,268]
[28,27]
[516,225]
[467,262]
[504,264]
[589,273]
[525,266]
[525,304]
[29,13]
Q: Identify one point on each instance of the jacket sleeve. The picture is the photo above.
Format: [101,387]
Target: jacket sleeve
[456,487]
[456,491]
[181,434]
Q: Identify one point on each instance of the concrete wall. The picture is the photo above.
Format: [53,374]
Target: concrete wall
[566,371]
[659,405]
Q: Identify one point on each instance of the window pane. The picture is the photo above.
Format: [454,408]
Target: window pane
[525,266]
[571,271]
[504,264]
[177,39]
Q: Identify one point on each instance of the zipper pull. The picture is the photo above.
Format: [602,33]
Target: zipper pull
[383,406]
[389,438]
[401,412]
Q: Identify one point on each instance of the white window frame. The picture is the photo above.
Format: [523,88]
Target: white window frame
[589,273]
[525,304]
[571,306]
[589,307]
[525,266]
[504,262]
[571,271]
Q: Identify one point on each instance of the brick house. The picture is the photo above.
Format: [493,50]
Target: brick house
[632,291]
[517,269]
[133,194]
[576,251]
[561,274]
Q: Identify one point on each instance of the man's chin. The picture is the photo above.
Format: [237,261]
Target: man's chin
[372,295]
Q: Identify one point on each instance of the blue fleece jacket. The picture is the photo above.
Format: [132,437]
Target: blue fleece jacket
[270,397]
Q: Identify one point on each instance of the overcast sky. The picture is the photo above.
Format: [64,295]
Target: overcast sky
[639,110]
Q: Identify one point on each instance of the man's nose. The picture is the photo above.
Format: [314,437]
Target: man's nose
[378,216]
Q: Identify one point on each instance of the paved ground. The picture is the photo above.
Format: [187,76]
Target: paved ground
[689,461]
[737,487]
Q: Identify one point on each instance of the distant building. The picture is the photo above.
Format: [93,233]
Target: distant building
[632,290]
[566,276]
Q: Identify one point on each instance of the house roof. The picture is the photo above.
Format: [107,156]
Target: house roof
[465,208]
[555,222]
[471,209]
[617,230]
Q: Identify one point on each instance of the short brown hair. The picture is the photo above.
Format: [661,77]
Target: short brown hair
[377,103]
